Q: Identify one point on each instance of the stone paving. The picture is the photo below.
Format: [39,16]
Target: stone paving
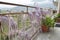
[53,35]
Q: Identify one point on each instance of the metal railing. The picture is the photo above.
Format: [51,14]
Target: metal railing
[14,25]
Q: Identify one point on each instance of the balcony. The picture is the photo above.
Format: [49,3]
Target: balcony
[26,25]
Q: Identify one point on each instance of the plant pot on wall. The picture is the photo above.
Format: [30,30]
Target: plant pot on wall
[58,20]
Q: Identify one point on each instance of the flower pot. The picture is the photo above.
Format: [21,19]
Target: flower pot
[45,28]
[58,20]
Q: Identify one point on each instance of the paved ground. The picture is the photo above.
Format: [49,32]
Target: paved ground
[53,35]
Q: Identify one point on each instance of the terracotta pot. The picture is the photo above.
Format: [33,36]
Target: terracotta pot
[45,28]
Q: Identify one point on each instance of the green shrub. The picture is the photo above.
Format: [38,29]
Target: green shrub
[58,15]
[48,22]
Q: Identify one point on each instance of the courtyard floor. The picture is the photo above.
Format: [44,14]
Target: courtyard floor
[53,35]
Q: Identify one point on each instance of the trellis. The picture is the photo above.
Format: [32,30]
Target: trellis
[25,33]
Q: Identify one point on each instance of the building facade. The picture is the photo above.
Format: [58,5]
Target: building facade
[57,4]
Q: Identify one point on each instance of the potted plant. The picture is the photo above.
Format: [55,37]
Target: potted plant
[44,27]
[57,19]
[47,23]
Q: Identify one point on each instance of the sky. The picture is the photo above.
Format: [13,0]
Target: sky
[25,2]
